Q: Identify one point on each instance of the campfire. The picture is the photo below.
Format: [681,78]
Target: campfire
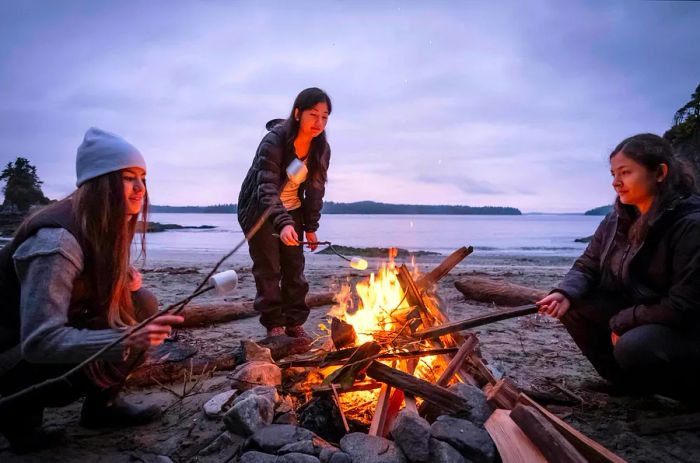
[391,364]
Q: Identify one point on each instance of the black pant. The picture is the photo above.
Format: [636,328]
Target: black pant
[653,358]
[28,412]
[279,277]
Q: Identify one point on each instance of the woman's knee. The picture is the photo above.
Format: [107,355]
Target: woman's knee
[145,303]
[644,347]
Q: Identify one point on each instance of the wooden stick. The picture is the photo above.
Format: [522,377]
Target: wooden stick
[512,443]
[440,396]
[498,292]
[432,277]
[387,356]
[340,407]
[462,325]
[544,435]
[590,449]
[381,410]
[358,386]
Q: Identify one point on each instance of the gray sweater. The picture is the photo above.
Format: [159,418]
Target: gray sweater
[47,265]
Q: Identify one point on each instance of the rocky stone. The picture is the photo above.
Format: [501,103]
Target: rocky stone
[217,405]
[286,418]
[224,441]
[412,434]
[268,392]
[252,352]
[327,453]
[252,374]
[249,415]
[303,446]
[442,452]
[479,410]
[469,440]
[258,457]
[297,458]
[273,437]
[340,457]
[363,448]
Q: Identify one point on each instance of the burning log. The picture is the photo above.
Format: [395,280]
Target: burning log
[333,359]
[207,313]
[436,395]
[462,325]
[345,375]
[342,333]
[553,445]
[498,291]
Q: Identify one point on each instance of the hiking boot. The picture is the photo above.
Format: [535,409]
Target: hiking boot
[23,440]
[104,409]
[276,331]
[297,331]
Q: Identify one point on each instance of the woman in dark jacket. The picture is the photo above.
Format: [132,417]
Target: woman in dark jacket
[278,263]
[631,302]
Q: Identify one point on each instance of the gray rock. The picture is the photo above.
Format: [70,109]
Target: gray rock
[470,440]
[412,434]
[340,457]
[224,441]
[273,437]
[480,410]
[297,458]
[249,415]
[370,449]
[217,405]
[252,352]
[268,392]
[442,452]
[258,457]
[327,453]
[287,418]
[252,374]
[303,446]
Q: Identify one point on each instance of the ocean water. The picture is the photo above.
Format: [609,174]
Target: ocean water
[548,235]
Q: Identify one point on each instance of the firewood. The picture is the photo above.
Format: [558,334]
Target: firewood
[437,395]
[590,449]
[207,313]
[357,386]
[512,443]
[503,394]
[454,327]
[666,424]
[380,411]
[432,277]
[498,292]
[339,360]
[345,375]
[168,372]
[551,443]
[342,333]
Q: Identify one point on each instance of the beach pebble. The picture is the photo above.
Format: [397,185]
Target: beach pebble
[479,410]
[217,405]
[272,438]
[268,392]
[297,458]
[249,415]
[363,448]
[442,452]
[252,374]
[258,457]
[412,434]
[252,352]
[470,440]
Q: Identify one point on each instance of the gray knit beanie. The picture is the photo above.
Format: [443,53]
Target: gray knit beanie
[103,152]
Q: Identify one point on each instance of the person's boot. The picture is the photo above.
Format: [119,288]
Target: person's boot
[25,432]
[298,331]
[105,409]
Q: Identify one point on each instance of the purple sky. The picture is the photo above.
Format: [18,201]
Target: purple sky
[475,103]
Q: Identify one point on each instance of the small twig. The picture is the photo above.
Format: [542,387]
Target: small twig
[340,408]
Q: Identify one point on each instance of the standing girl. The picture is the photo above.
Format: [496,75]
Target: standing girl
[278,263]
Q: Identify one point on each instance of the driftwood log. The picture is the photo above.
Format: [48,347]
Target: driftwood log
[545,436]
[207,313]
[498,292]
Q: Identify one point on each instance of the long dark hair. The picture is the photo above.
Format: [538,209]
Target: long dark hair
[307,99]
[99,208]
[651,151]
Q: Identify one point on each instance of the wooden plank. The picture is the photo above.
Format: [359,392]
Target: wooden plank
[667,424]
[432,277]
[464,351]
[462,325]
[503,394]
[498,292]
[590,449]
[512,443]
[437,395]
[545,436]
[380,411]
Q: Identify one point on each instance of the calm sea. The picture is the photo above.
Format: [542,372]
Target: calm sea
[496,234]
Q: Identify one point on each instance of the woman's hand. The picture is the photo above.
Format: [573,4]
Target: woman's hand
[134,279]
[154,333]
[289,236]
[555,305]
[312,238]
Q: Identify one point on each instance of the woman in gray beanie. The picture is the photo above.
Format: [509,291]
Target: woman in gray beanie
[68,289]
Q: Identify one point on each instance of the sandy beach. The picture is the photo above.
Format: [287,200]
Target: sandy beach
[535,352]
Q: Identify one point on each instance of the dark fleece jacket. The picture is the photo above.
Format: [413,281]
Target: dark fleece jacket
[660,275]
[263,183]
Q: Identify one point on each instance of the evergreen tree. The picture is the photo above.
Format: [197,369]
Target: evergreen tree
[23,187]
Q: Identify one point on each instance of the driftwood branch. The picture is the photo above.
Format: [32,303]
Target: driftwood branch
[498,292]
[432,277]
